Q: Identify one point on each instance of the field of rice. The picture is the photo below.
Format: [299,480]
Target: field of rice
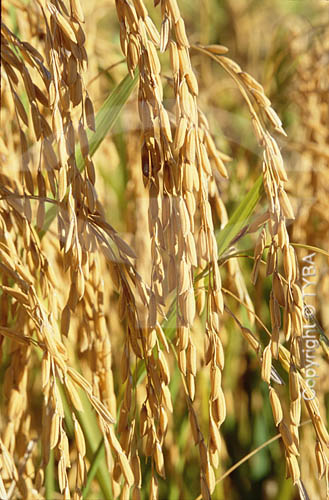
[164,250]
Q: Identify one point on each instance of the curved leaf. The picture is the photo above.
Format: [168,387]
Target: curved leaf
[237,223]
[105,119]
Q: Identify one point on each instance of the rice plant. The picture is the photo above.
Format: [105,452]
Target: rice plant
[156,333]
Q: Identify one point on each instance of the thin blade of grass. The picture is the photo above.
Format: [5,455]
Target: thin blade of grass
[107,116]
[95,462]
[250,455]
[237,225]
[239,218]
[92,435]
[105,120]
[309,247]
[50,483]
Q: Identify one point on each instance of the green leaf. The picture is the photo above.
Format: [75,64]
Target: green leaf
[98,458]
[105,120]
[239,219]
[107,116]
[50,483]
[95,449]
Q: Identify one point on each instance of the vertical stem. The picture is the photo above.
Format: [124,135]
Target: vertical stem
[50,477]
